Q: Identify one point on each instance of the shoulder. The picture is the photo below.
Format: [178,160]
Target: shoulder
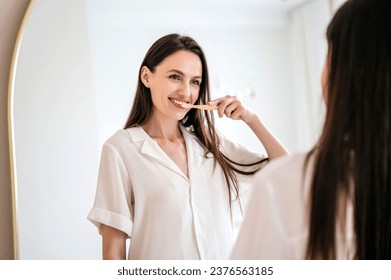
[125,136]
[287,164]
[225,142]
[116,141]
[119,136]
[237,151]
[123,145]
[286,171]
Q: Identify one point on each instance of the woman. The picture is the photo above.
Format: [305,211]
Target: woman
[168,180]
[334,202]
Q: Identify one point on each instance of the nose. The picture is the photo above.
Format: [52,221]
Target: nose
[184,91]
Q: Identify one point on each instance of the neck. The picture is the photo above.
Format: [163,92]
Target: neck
[163,130]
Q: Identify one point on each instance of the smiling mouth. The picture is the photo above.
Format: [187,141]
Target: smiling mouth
[180,103]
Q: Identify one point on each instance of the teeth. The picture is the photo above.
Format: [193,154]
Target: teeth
[177,102]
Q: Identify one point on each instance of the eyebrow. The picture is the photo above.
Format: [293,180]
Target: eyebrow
[181,73]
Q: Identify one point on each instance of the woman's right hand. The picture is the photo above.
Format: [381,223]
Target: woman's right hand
[233,108]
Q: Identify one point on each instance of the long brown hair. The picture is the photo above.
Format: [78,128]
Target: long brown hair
[201,122]
[352,159]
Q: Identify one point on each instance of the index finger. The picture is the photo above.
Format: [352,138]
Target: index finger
[217,101]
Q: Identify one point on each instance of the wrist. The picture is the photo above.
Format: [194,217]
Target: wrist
[249,118]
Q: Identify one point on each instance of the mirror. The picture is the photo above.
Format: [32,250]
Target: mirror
[75,76]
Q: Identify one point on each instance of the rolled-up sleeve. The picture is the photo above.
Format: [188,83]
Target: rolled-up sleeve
[113,198]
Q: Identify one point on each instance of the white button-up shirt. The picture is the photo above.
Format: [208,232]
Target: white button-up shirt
[143,193]
[276,224]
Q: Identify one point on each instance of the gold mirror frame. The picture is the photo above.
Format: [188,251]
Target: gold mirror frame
[11,135]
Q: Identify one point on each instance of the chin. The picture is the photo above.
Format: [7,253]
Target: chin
[179,118]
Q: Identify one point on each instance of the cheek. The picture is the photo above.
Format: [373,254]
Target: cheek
[195,93]
[155,95]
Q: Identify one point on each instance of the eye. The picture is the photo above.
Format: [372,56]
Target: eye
[196,82]
[175,77]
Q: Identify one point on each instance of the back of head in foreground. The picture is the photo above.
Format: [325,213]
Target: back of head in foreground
[353,155]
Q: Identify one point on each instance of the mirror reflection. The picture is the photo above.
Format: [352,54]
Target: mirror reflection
[75,81]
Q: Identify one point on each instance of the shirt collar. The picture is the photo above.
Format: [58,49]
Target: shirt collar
[195,150]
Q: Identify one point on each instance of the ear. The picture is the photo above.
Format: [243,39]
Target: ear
[145,76]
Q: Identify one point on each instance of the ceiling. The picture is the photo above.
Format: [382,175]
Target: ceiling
[260,5]
[195,12]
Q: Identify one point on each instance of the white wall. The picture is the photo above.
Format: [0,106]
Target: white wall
[309,47]
[243,57]
[335,4]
